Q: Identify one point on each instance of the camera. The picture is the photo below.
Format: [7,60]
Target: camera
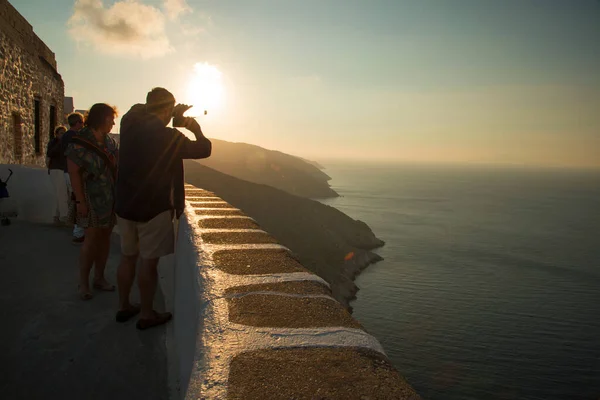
[178,111]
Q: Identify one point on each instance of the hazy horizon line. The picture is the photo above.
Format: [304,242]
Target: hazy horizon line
[447,163]
[482,164]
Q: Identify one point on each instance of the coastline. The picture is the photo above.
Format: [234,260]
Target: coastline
[372,258]
[353,270]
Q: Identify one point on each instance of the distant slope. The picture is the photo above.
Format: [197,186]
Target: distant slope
[325,240]
[316,164]
[269,167]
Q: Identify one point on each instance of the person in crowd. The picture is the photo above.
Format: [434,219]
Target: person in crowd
[56,163]
[92,158]
[150,193]
[75,121]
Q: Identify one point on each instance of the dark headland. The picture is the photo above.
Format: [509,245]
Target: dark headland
[274,168]
[322,238]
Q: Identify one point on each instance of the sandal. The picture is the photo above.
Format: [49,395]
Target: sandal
[159,319]
[107,287]
[84,295]
[128,313]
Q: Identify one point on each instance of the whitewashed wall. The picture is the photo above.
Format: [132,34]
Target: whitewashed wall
[31,193]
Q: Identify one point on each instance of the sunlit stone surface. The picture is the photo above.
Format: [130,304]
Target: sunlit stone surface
[256,261]
[248,237]
[316,373]
[292,287]
[269,328]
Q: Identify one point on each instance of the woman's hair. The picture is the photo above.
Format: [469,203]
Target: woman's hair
[59,127]
[98,113]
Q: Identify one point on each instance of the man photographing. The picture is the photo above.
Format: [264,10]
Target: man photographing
[150,192]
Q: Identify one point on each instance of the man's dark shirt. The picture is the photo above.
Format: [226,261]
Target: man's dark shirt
[150,177]
[64,143]
[56,155]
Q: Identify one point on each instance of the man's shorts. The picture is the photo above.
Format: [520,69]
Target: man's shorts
[152,239]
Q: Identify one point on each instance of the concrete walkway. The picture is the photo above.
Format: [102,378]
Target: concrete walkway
[52,344]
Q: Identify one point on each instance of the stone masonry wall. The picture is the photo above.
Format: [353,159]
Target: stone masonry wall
[27,73]
[267,327]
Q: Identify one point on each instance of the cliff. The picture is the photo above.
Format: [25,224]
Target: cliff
[283,171]
[322,238]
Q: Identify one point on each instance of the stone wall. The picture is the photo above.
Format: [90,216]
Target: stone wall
[252,323]
[28,73]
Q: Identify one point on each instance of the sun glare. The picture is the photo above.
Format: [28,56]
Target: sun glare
[205,88]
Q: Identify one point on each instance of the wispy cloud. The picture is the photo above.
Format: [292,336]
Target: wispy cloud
[191,30]
[174,8]
[202,23]
[127,27]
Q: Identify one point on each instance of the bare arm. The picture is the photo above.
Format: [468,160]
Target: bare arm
[77,184]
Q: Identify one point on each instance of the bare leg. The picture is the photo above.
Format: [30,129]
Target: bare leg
[86,259]
[147,280]
[103,248]
[125,278]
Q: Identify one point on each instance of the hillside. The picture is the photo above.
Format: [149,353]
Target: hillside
[283,171]
[322,238]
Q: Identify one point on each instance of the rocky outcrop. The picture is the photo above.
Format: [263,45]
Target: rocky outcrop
[322,238]
[283,171]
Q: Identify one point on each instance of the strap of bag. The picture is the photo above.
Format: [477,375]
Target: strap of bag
[93,147]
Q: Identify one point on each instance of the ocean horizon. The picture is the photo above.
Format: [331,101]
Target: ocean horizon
[489,284]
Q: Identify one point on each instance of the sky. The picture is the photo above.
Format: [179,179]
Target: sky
[447,81]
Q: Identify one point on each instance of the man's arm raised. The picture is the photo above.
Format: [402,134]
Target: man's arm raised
[200,148]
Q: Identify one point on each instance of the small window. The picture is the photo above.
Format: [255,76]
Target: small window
[17,138]
[36,122]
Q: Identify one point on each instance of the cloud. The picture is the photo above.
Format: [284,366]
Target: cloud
[174,8]
[125,28]
[191,30]
[201,24]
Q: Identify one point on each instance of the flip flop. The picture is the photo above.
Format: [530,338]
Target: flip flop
[105,288]
[127,314]
[84,295]
[159,319]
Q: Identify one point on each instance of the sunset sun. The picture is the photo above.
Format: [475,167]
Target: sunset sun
[205,88]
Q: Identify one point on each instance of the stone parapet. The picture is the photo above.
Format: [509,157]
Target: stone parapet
[265,327]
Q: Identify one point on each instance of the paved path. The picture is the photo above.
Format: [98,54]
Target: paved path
[53,345]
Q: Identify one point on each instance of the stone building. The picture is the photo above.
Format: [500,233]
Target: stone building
[31,91]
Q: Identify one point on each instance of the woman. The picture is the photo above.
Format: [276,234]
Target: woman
[92,158]
[55,161]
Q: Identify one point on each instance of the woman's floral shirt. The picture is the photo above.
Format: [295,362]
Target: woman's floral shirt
[99,182]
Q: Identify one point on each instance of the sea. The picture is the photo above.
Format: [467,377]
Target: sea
[490,284]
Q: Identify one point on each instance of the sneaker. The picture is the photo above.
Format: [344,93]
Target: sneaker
[78,240]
